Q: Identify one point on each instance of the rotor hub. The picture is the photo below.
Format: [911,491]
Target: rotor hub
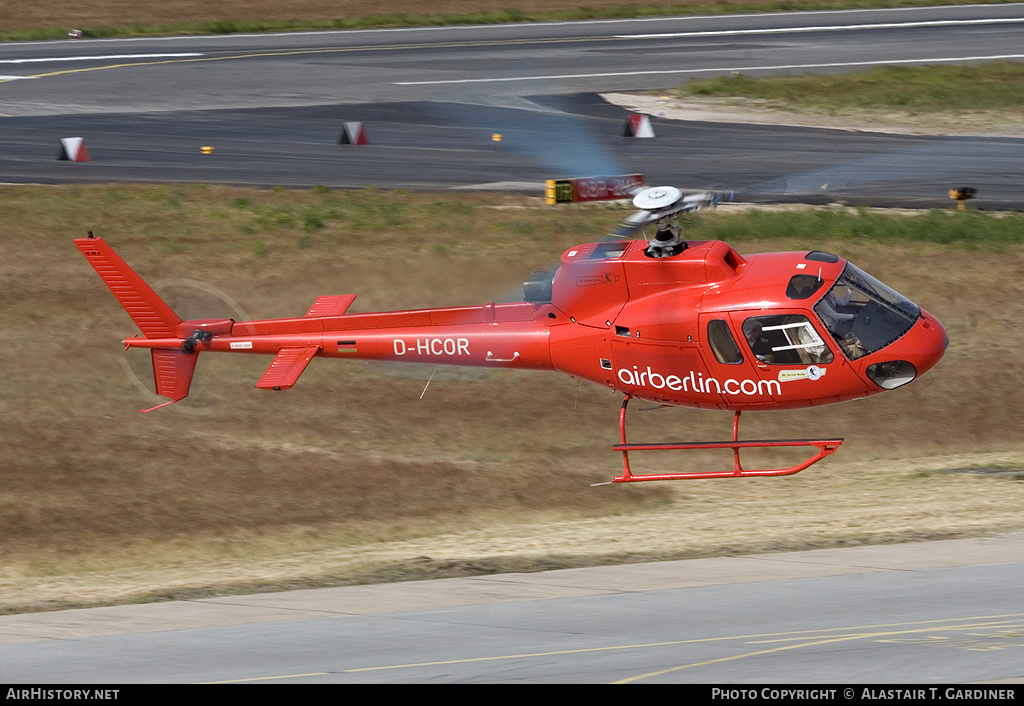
[657,198]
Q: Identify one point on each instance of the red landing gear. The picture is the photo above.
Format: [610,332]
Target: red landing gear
[826,447]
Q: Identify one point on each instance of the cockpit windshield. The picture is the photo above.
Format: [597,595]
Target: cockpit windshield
[864,315]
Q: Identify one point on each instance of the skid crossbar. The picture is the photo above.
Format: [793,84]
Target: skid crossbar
[826,447]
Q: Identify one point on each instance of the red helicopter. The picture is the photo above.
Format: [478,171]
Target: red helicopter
[671,321]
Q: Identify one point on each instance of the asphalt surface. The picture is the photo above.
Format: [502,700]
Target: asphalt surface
[273,107]
[483,63]
[432,145]
[942,612]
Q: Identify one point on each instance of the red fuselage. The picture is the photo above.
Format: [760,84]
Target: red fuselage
[689,324]
[705,328]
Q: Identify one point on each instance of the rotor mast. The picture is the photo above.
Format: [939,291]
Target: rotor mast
[663,205]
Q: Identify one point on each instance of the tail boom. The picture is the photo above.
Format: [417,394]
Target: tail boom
[466,336]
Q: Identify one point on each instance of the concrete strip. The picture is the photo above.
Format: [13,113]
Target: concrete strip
[503,186]
[446,593]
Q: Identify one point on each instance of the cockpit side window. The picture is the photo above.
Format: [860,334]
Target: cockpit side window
[803,286]
[787,339]
[863,315]
[723,345]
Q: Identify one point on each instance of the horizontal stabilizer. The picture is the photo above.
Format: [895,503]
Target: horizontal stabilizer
[286,368]
[334,305]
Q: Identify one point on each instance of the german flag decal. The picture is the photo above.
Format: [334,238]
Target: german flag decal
[346,346]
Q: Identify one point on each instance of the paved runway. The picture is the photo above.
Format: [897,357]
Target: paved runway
[273,106]
[473,63]
[433,145]
[925,613]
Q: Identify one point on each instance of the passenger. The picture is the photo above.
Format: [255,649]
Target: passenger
[760,345]
[851,346]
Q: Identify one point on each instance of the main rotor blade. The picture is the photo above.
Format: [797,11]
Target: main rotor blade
[563,143]
[938,163]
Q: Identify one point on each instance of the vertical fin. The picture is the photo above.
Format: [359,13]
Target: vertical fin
[172,371]
[172,367]
[149,312]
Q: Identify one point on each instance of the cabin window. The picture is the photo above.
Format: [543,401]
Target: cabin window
[787,339]
[723,345]
[803,286]
[818,256]
[605,251]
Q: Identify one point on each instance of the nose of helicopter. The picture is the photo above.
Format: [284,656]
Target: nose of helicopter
[932,341]
[917,352]
[937,339]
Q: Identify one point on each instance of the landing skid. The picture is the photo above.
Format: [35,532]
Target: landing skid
[826,447]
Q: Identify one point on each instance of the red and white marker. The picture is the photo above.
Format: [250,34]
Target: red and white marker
[72,149]
[638,126]
[353,134]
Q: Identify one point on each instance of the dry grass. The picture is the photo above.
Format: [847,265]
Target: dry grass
[51,19]
[15,16]
[351,477]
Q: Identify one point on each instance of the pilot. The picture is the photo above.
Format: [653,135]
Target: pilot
[832,310]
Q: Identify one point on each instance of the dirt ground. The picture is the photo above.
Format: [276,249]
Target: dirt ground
[16,15]
[887,484]
[741,110]
[351,477]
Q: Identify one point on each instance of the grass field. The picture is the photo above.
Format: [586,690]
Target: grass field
[351,477]
[962,90]
[50,19]
[124,17]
